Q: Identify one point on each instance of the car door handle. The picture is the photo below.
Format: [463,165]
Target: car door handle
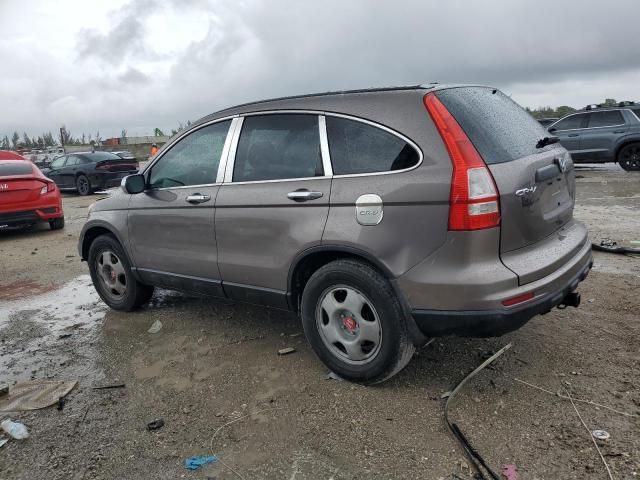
[303,195]
[573,135]
[618,131]
[198,198]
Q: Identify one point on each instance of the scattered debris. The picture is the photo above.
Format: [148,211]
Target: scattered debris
[156,424]
[334,376]
[61,402]
[105,387]
[286,351]
[510,472]
[295,335]
[64,335]
[612,247]
[14,429]
[194,463]
[155,327]
[35,394]
[3,441]
[606,465]
[558,394]
[474,457]
[600,435]
[445,395]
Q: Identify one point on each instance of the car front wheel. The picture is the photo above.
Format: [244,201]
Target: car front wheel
[112,277]
[355,323]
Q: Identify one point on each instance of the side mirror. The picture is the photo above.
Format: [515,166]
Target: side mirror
[552,129]
[133,184]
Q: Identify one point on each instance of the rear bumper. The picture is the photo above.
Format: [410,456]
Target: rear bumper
[492,323]
[29,217]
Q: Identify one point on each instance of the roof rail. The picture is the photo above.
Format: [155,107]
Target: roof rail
[595,106]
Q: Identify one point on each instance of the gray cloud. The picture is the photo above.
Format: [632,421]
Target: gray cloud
[545,51]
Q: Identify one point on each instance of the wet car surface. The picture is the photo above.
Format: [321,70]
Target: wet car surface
[213,374]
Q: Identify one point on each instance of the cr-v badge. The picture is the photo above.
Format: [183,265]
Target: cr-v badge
[369,209]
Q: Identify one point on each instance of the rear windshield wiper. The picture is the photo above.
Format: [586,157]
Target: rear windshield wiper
[543,142]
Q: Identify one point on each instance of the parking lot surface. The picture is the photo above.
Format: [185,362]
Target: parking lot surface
[213,374]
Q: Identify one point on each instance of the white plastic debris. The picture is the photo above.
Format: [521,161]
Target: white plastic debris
[14,429]
[155,327]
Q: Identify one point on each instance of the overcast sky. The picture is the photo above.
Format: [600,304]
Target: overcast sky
[139,64]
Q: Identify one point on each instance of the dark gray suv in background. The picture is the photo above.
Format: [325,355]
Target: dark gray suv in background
[382,217]
[602,134]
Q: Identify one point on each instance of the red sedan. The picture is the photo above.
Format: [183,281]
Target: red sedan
[27,197]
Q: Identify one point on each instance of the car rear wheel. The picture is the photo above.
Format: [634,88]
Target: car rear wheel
[56,223]
[83,185]
[355,323]
[112,277]
[629,157]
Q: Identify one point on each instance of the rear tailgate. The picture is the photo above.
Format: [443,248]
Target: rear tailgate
[536,185]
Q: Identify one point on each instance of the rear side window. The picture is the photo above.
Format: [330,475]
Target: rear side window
[636,111]
[278,146]
[608,118]
[193,160]
[356,147]
[499,128]
[15,168]
[570,123]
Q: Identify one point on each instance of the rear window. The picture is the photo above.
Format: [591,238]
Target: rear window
[498,127]
[357,147]
[99,156]
[8,169]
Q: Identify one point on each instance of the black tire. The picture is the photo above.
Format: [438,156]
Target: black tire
[395,348]
[83,185]
[56,223]
[134,294]
[629,157]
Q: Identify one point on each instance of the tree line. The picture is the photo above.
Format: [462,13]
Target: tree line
[559,112]
[65,137]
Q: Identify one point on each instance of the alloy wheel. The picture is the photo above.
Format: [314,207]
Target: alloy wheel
[349,324]
[111,274]
[630,157]
[83,185]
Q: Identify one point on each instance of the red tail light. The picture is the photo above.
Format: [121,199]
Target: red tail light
[474,197]
[47,187]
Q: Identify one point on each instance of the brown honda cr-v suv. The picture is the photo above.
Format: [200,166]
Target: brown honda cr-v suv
[382,217]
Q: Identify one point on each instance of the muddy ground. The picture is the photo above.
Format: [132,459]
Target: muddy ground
[214,363]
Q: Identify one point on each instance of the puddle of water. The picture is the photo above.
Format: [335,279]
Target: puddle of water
[58,309]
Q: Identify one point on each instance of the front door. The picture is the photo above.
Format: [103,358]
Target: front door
[171,224]
[55,170]
[274,204]
[569,131]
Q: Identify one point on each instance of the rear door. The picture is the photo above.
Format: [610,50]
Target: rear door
[273,204]
[536,185]
[569,130]
[604,129]
[171,224]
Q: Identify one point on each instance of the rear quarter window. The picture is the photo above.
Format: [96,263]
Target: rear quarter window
[499,128]
[357,147]
[609,118]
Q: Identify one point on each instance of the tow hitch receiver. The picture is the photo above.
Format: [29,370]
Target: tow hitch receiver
[571,300]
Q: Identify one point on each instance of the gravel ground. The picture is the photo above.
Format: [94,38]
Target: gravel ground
[213,374]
